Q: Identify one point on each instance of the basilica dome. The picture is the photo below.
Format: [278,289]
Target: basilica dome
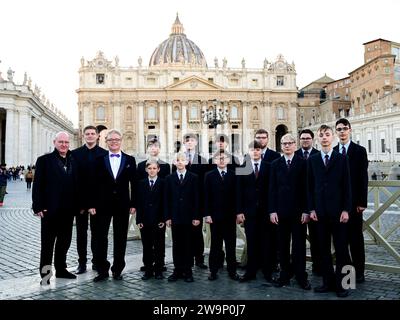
[177,50]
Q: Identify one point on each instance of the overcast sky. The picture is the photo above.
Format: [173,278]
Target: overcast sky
[47,38]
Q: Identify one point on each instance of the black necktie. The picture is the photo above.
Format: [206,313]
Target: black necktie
[223,175]
[190,159]
[181,178]
[344,150]
[326,160]
[256,169]
[288,164]
[305,155]
[151,184]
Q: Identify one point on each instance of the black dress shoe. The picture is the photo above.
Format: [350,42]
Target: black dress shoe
[100,277]
[159,276]
[323,289]
[81,269]
[143,268]
[94,267]
[234,276]
[342,293]
[117,276]
[173,277]
[65,274]
[147,275]
[189,279]
[213,276]
[201,265]
[246,278]
[47,282]
[164,268]
[360,279]
[305,285]
[279,283]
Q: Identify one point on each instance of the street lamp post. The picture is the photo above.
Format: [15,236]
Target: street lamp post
[215,116]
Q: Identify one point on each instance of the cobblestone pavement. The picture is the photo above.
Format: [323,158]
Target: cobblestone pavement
[19,279]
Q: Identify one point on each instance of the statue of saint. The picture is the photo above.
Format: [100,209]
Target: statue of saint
[216,62]
[243,64]
[140,61]
[224,63]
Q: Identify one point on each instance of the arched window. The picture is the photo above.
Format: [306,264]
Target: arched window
[100,113]
[151,113]
[254,115]
[234,112]
[129,113]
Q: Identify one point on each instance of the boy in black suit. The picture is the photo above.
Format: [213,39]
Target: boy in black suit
[112,197]
[288,210]
[182,215]
[358,162]
[329,201]
[220,213]
[153,150]
[307,150]
[251,195]
[150,220]
[222,143]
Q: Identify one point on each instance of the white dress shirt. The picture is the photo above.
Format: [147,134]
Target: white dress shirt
[115,162]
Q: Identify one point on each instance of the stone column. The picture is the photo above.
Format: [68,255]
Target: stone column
[162,134]
[35,140]
[184,118]
[245,129]
[25,141]
[117,116]
[204,133]
[9,150]
[141,128]
[170,131]
[224,108]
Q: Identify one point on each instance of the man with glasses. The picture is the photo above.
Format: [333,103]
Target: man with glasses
[112,197]
[85,157]
[55,201]
[288,210]
[267,154]
[307,150]
[358,162]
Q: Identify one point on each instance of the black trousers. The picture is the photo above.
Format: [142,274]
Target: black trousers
[291,230]
[356,242]
[258,239]
[223,230]
[328,228]
[102,220]
[314,246]
[198,243]
[153,241]
[56,235]
[182,248]
[82,224]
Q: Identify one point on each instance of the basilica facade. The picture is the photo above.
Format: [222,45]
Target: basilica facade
[168,97]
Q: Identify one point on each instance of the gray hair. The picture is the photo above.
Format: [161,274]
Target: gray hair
[113,131]
[58,134]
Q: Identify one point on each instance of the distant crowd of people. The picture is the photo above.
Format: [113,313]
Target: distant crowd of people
[276,197]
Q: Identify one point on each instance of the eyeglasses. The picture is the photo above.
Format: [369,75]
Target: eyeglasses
[305,138]
[342,129]
[113,140]
[286,144]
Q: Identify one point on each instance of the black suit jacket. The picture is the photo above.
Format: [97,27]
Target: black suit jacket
[252,193]
[271,155]
[150,202]
[182,200]
[358,163]
[55,188]
[165,169]
[121,189]
[288,187]
[299,152]
[329,190]
[86,159]
[219,195]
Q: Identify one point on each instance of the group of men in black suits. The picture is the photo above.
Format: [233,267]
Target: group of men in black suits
[276,197]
